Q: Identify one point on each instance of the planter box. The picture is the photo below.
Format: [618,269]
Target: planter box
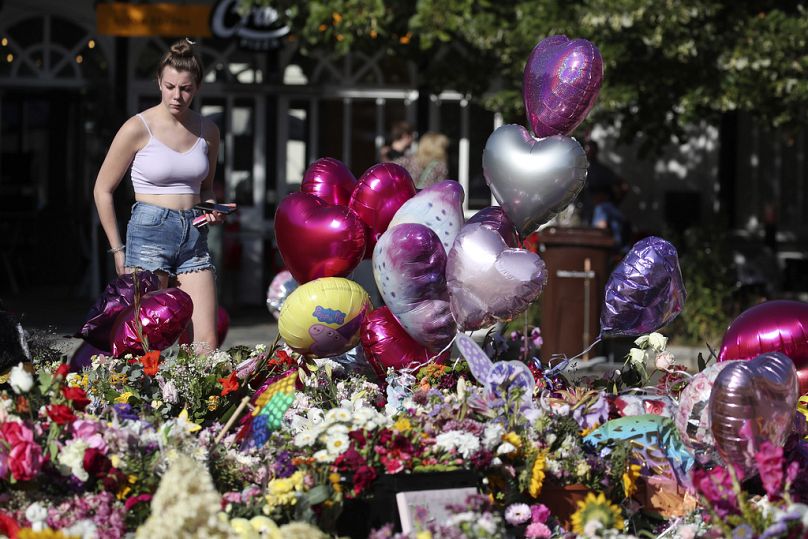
[360,516]
[562,501]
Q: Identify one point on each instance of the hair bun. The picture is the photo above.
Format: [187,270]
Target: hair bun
[182,48]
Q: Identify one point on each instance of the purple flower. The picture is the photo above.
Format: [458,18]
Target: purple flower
[716,486]
[769,460]
[283,466]
[539,513]
[125,411]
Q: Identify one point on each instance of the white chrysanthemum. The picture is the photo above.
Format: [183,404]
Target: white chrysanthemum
[315,415]
[464,443]
[337,428]
[363,415]
[338,414]
[323,456]
[337,443]
[492,435]
[305,438]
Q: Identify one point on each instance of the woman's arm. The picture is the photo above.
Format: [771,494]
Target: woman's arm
[119,157]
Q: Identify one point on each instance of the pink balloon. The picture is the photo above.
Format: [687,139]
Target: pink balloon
[164,315]
[381,191]
[222,325]
[317,239]
[495,218]
[386,344]
[329,179]
[561,84]
[772,326]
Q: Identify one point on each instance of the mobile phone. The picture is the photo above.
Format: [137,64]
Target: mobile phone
[211,207]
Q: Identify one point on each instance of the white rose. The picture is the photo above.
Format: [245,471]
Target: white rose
[20,380]
[636,356]
[657,341]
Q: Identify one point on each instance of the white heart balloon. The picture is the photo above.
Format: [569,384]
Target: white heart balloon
[532,179]
[439,207]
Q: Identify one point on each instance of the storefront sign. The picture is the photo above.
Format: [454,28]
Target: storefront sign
[135,20]
[260,29]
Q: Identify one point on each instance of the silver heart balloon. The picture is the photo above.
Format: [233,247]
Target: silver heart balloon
[532,179]
[487,280]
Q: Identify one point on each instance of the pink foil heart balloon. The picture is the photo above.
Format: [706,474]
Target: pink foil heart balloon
[772,326]
[489,282]
[163,316]
[561,84]
[387,344]
[760,394]
[381,191]
[494,217]
[329,179]
[409,266]
[317,239]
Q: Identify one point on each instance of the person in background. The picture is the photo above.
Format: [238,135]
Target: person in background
[172,151]
[429,164]
[402,136]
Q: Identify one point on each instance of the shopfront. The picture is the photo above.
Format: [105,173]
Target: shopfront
[65,88]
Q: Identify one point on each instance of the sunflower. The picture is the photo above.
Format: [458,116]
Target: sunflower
[596,507]
[537,474]
[630,479]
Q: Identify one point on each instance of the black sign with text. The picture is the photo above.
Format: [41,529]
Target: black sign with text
[260,29]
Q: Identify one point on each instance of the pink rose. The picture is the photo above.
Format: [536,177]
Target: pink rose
[538,530]
[25,461]
[15,433]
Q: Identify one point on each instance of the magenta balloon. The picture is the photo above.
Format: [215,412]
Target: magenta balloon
[386,344]
[772,326]
[494,218]
[317,239]
[381,191]
[561,84]
[330,180]
[164,315]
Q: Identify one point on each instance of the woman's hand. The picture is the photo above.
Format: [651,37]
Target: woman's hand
[120,259]
[215,218]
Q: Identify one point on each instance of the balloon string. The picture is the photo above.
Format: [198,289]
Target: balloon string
[408,370]
[590,347]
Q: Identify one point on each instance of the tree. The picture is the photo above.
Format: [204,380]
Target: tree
[667,63]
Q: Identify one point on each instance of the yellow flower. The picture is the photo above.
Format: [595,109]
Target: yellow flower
[123,398]
[402,424]
[118,379]
[47,533]
[537,474]
[334,478]
[424,535]
[630,479]
[190,425]
[213,402]
[244,529]
[265,527]
[513,439]
[596,507]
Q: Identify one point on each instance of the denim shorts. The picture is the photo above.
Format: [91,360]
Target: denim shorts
[161,239]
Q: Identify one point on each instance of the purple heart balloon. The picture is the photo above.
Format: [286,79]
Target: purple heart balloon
[645,291]
[439,206]
[495,218]
[561,84]
[409,265]
[487,280]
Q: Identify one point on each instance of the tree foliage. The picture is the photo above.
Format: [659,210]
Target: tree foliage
[667,63]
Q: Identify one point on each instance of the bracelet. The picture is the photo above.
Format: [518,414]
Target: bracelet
[116,249]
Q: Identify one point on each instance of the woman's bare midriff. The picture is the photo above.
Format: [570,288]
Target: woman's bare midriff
[172,202]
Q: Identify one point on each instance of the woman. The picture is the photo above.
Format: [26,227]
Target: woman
[428,165]
[172,151]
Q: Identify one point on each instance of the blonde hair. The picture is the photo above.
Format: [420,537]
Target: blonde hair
[432,146]
[181,57]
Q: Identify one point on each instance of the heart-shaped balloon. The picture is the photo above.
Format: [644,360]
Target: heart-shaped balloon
[771,326]
[487,280]
[162,317]
[644,292]
[378,195]
[317,239]
[759,395]
[117,296]
[494,217]
[561,84]
[82,358]
[387,345]
[439,206]
[329,179]
[409,266]
[532,179]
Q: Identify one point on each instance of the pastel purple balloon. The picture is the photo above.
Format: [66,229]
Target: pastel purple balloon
[561,84]
[439,206]
[495,218]
[117,296]
[488,281]
[163,316]
[330,180]
[409,265]
[645,291]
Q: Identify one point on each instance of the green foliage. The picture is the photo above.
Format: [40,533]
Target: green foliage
[666,63]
